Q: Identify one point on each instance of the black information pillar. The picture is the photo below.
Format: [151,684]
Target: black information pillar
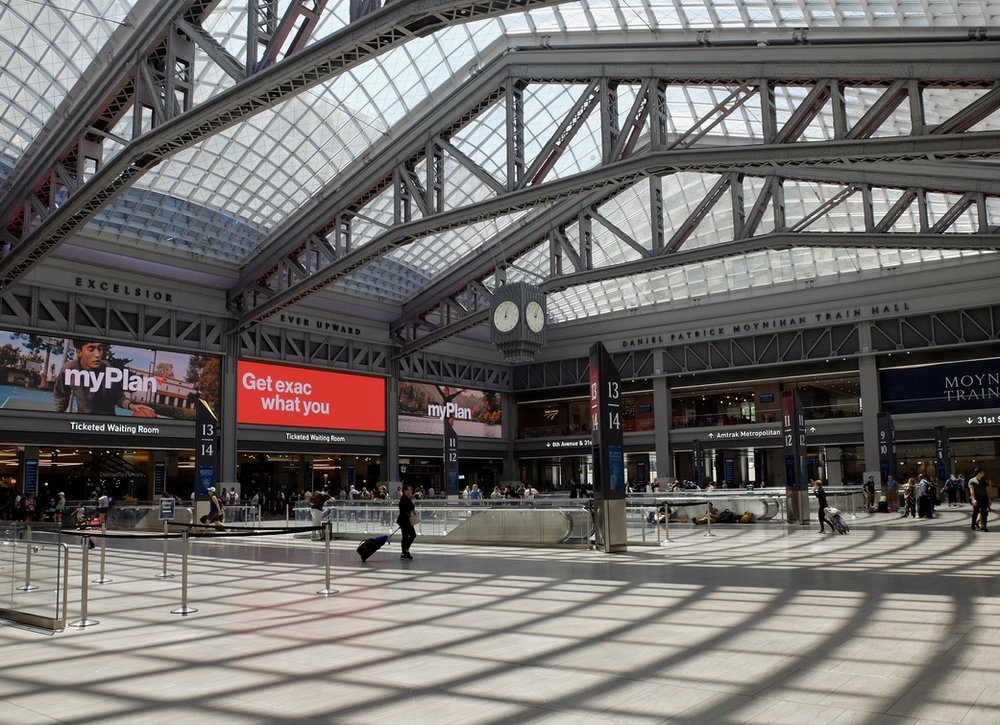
[793,441]
[699,464]
[942,453]
[608,453]
[206,447]
[450,457]
[886,447]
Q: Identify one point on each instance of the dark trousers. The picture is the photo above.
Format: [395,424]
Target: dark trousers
[408,535]
[979,515]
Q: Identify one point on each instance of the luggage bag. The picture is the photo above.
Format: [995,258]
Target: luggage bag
[837,521]
[369,546]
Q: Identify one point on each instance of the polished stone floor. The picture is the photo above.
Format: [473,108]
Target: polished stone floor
[898,622]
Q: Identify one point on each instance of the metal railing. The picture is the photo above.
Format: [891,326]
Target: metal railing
[145,515]
[444,520]
[485,522]
[34,570]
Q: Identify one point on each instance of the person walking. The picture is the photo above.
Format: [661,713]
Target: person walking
[57,512]
[317,500]
[870,494]
[823,505]
[979,493]
[103,506]
[406,510]
[910,498]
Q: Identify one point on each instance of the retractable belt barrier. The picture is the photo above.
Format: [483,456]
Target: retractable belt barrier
[190,532]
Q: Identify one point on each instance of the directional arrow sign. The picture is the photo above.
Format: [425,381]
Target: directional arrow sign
[983,420]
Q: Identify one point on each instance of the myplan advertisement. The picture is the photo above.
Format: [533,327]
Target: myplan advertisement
[280,395]
[90,376]
[423,408]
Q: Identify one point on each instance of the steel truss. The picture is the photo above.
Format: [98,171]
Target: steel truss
[469,373]
[318,246]
[35,221]
[72,314]
[150,72]
[314,349]
[907,333]
[67,313]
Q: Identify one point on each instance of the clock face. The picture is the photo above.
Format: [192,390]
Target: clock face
[534,315]
[505,316]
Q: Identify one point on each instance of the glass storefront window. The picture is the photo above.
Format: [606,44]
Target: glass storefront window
[708,406]
[637,412]
[553,418]
[715,408]
[760,402]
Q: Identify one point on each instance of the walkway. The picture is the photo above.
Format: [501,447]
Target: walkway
[898,622]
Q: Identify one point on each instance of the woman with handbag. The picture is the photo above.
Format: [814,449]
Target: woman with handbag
[408,518]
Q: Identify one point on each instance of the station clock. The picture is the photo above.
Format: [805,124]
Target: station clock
[518,321]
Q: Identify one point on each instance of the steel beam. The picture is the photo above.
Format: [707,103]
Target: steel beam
[314,64]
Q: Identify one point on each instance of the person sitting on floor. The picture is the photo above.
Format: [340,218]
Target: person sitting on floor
[215,516]
[712,516]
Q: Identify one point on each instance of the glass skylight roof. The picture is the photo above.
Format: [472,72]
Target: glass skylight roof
[222,197]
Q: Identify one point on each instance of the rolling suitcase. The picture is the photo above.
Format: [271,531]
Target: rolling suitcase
[836,520]
[369,546]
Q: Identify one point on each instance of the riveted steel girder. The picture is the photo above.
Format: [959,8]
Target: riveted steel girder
[825,70]
[361,41]
[912,332]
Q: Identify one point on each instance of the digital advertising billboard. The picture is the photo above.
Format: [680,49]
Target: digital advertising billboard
[423,408]
[280,395]
[969,385]
[92,377]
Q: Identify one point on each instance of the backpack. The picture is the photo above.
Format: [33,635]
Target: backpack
[727,517]
[746,518]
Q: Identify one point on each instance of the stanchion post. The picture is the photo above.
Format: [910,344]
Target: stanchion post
[327,526]
[854,508]
[184,609]
[83,621]
[708,520]
[27,586]
[286,515]
[104,549]
[666,524]
[166,532]
[65,580]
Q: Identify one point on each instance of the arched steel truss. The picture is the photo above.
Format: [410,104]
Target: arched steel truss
[67,155]
[317,247]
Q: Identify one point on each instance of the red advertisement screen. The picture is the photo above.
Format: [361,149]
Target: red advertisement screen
[279,395]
